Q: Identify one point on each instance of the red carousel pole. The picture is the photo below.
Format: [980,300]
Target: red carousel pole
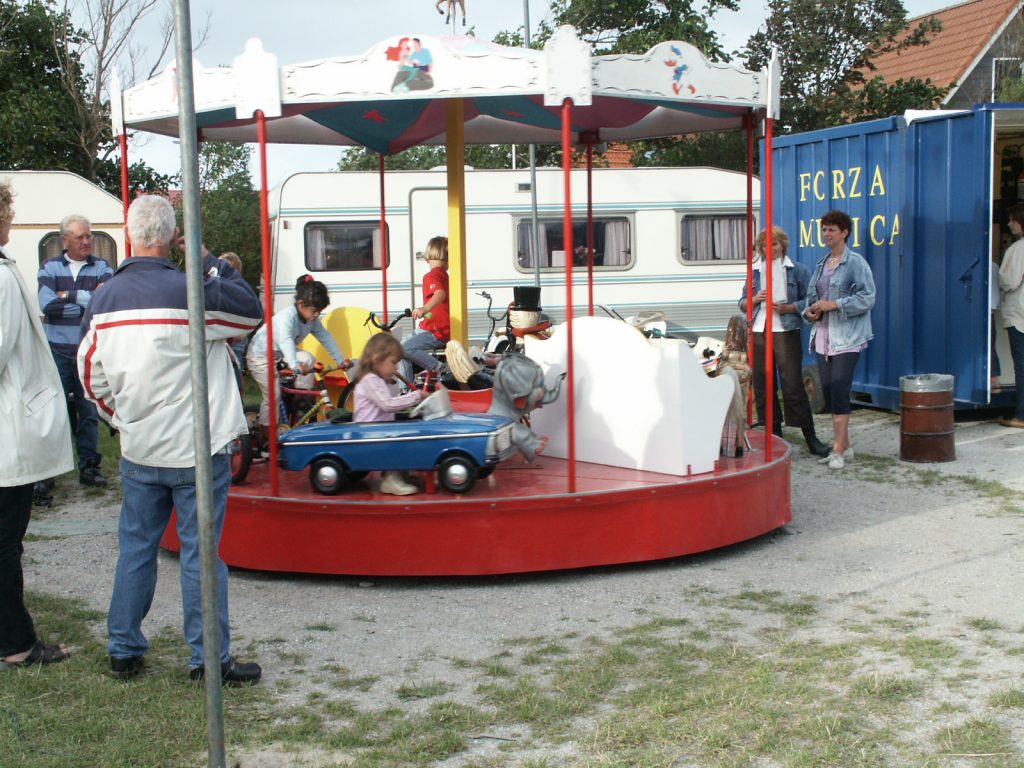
[748,126]
[268,300]
[590,225]
[570,399]
[766,261]
[126,193]
[383,245]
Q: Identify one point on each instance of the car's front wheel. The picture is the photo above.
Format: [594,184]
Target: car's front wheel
[328,475]
[457,474]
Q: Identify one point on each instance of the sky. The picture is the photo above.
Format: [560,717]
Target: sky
[314,29]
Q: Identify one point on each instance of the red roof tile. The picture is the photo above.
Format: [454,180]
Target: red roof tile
[967,29]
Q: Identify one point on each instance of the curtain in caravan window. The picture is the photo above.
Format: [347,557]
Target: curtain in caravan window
[697,239]
[730,239]
[316,256]
[376,248]
[713,238]
[524,245]
[616,243]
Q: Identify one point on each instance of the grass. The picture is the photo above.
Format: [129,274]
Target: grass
[666,690]
[882,469]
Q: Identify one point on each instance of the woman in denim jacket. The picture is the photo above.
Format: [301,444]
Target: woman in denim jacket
[839,301]
[789,286]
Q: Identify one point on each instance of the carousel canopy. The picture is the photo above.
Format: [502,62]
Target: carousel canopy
[393,96]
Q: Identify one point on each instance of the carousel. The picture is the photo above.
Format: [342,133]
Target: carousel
[639,458]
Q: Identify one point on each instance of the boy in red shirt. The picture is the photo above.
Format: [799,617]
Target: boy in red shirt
[434,316]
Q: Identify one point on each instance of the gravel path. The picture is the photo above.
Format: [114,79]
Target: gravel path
[880,534]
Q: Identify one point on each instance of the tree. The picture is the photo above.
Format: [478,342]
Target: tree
[51,113]
[229,204]
[36,113]
[423,158]
[635,26]
[828,48]
[726,150]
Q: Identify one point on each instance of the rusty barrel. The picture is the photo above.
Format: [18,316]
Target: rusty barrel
[926,418]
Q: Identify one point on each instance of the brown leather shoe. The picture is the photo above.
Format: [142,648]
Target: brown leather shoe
[1014,422]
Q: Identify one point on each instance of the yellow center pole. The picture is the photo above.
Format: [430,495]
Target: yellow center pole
[457,221]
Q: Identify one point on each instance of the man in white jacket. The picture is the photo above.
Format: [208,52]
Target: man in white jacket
[36,446]
[135,365]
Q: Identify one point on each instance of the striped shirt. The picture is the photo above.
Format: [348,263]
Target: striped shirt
[62,317]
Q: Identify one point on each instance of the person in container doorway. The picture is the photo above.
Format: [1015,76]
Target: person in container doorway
[839,299]
[291,326]
[375,400]
[1011,283]
[789,286]
[435,322]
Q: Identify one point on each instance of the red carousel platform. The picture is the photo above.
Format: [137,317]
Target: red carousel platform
[520,519]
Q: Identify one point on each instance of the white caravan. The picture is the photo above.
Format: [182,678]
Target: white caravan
[41,200]
[669,239]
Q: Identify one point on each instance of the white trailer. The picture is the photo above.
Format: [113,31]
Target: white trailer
[669,239]
[41,200]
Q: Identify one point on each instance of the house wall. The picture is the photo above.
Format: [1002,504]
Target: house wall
[977,86]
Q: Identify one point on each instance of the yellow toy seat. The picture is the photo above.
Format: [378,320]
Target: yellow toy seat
[349,328]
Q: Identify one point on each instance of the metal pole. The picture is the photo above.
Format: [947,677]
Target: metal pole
[570,390]
[534,224]
[200,392]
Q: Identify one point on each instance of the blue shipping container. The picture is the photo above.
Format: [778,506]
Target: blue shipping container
[923,192]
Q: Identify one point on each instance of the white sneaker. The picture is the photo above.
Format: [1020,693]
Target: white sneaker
[394,484]
[836,461]
[847,456]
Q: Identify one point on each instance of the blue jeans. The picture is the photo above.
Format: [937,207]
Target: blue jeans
[87,429]
[1017,351]
[150,493]
[416,348]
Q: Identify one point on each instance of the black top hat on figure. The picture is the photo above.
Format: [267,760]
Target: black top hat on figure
[527,298]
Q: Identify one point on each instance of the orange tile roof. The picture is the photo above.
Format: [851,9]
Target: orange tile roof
[967,30]
[619,155]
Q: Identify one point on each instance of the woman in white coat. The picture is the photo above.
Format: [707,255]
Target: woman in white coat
[36,445]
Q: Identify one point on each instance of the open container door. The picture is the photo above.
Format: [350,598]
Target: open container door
[950,163]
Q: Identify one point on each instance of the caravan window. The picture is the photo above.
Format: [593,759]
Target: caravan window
[103,247]
[343,245]
[712,238]
[613,248]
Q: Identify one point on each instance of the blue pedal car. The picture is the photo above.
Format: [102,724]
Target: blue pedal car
[460,446]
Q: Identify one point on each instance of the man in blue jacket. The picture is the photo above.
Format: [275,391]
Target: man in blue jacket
[135,364]
[66,286]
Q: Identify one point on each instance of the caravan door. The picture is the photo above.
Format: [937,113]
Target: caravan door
[428,217]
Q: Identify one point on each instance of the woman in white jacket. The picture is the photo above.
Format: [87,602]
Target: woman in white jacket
[37,446]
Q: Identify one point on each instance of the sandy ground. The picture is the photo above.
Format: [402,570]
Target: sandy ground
[880,533]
